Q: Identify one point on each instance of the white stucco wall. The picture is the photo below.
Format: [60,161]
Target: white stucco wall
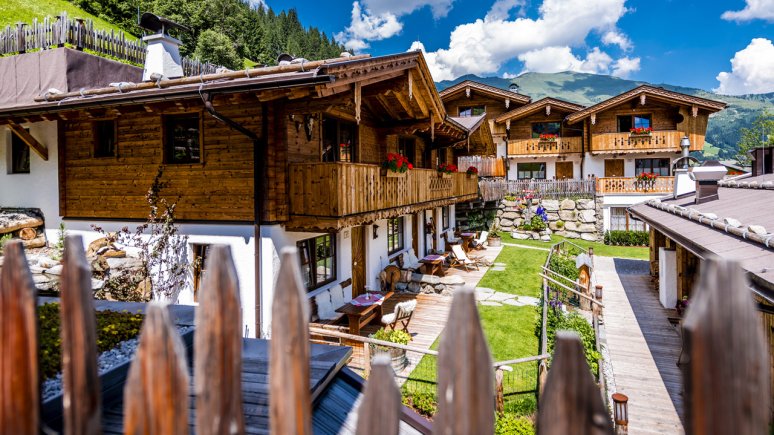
[513,171]
[39,188]
[595,165]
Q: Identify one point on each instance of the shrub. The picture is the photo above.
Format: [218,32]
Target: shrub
[564,265]
[395,336]
[113,327]
[558,321]
[627,238]
[423,403]
[5,238]
[536,223]
[560,224]
[510,424]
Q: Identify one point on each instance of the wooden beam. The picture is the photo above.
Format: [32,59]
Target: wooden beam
[27,138]
[404,103]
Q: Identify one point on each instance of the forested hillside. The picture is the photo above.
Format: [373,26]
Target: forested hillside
[224,32]
[723,132]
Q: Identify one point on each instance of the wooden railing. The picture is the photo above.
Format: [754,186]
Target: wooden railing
[608,185]
[344,189]
[495,190]
[529,147]
[657,140]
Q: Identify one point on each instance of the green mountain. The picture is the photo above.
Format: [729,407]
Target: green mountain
[589,89]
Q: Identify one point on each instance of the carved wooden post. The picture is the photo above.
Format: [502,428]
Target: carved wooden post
[379,413]
[19,389]
[218,345]
[81,401]
[727,377]
[499,399]
[465,378]
[289,388]
[156,392]
[571,401]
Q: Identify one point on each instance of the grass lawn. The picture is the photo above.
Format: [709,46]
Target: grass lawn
[640,253]
[14,11]
[520,276]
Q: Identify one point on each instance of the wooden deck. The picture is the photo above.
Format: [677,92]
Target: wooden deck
[643,347]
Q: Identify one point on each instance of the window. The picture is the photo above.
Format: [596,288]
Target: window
[528,171]
[105,138]
[472,110]
[627,122]
[445,217]
[656,166]
[621,221]
[200,252]
[394,235]
[318,260]
[442,155]
[182,138]
[20,156]
[407,148]
[339,140]
[539,128]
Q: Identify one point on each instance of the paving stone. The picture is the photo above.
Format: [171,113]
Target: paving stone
[514,302]
[484,290]
[491,304]
[497,296]
[482,296]
[497,269]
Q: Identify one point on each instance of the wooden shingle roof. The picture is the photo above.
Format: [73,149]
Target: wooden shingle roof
[484,89]
[652,91]
[536,106]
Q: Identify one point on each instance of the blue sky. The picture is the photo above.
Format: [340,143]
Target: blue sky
[680,42]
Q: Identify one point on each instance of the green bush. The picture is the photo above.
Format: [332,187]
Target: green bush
[564,265]
[423,403]
[535,224]
[113,327]
[510,424]
[559,321]
[395,336]
[627,238]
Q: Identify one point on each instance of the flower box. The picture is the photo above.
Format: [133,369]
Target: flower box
[395,166]
[444,175]
[393,174]
[446,169]
[548,138]
[641,131]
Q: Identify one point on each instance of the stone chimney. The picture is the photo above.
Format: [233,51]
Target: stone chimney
[162,56]
[706,177]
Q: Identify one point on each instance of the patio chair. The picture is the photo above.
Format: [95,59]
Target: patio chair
[461,259]
[479,242]
[338,298]
[450,239]
[325,309]
[410,261]
[402,313]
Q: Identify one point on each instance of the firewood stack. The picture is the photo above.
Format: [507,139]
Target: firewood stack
[25,224]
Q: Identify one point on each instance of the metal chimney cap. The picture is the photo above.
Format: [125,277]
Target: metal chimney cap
[711,170]
[685,142]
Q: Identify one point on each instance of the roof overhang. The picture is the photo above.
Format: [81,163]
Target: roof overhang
[537,106]
[490,91]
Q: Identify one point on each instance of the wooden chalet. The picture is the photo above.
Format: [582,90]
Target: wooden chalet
[260,159]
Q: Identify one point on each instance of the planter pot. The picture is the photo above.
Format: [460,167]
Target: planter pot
[444,175]
[398,358]
[392,174]
[471,175]
[639,134]
[493,241]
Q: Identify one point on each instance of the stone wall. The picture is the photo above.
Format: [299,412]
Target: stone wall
[574,219]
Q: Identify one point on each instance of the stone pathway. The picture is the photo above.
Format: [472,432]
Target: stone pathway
[516,245]
[491,298]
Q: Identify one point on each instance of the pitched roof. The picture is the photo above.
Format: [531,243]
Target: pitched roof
[536,106]
[480,141]
[657,93]
[485,89]
[469,122]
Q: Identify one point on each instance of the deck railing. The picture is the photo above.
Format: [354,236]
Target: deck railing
[344,189]
[532,147]
[666,140]
[630,185]
[487,166]
[495,190]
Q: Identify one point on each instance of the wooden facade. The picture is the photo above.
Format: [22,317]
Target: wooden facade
[469,94]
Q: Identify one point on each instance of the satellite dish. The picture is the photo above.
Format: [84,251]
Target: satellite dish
[161,25]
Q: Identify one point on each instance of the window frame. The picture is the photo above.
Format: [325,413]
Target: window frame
[537,135]
[650,168]
[17,143]
[617,218]
[518,170]
[462,109]
[336,147]
[165,119]
[96,135]
[395,235]
[632,121]
[310,249]
[407,147]
[445,221]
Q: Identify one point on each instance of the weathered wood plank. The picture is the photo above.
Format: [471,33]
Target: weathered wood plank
[19,394]
[218,344]
[289,398]
[379,413]
[727,377]
[80,378]
[156,392]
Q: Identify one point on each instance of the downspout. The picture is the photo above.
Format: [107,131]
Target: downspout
[259,168]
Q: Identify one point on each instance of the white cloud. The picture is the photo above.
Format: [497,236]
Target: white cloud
[483,46]
[624,66]
[614,37]
[751,70]
[501,9]
[507,75]
[367,26]
[755,9]
[439,8]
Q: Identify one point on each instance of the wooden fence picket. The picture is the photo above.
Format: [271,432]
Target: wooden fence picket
[289,394]
[81,396]
[727,376]
[156,398]
[19,388]
[571,401]
[218,344]
[379,412]
[465,376]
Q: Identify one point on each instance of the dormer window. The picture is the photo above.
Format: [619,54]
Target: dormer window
[472,111]
[627,122]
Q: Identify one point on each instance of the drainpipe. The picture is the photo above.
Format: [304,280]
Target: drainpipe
[260,144]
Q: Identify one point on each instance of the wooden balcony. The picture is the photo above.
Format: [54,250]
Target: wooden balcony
[630,185]
[337,195]
[664,140]
[537,147]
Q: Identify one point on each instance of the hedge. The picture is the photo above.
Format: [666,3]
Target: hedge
[627,238]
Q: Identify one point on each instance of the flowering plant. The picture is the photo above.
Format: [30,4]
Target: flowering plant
[548,137]
[646,176]
[472,170]
[542,213]
[641,130]
[447,168]
[397,163]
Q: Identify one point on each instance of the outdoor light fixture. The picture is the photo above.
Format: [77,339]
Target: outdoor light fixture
[376,229]
[309,125]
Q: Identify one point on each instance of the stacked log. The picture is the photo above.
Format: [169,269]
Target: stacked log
[25,224]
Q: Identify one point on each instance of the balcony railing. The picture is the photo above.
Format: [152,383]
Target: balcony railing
[630,185]
[662,140]
[530,147]
[344,189]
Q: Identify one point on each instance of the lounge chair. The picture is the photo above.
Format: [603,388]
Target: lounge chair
[402,313]
[479,242]
[461,259]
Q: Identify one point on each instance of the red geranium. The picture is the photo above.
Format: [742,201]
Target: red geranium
[447,168]
[397,163]
[641,130]
[548,136]
[472,170]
